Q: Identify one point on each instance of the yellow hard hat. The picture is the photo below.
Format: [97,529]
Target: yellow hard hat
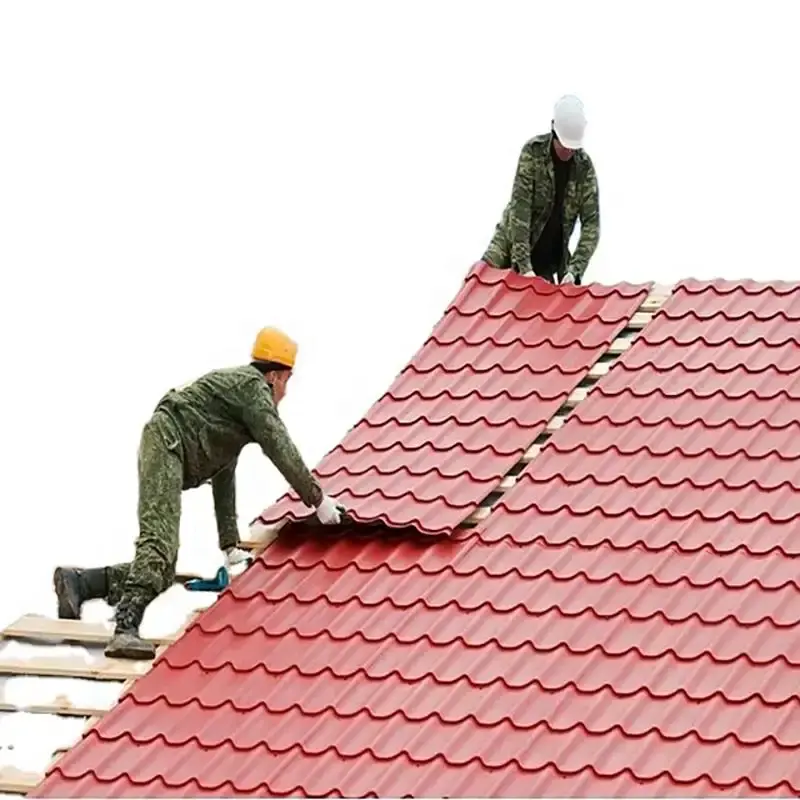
[274,346]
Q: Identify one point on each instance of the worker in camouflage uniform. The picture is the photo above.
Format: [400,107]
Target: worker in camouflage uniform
[555,183]
[194,436]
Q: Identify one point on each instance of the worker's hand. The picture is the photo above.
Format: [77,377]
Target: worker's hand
[568,278]
[329,512]
[234,556]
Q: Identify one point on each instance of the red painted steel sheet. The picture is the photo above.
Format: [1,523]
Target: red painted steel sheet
[621,625]
[506,354]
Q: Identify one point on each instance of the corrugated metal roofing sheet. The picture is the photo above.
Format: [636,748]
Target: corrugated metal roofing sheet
[633,631]
[506,354]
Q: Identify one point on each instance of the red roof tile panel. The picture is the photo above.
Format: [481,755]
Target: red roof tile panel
[294,770]
[506,354]
[620,632]
[428,698]
[675,486]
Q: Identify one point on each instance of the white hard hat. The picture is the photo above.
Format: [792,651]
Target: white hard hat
[569,121]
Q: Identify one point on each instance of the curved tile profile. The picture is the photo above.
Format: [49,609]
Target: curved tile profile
[625,623]
[505,355]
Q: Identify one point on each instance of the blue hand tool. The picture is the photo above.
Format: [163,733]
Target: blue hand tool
[215,584]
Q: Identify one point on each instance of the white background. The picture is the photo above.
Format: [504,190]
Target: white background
[174,175]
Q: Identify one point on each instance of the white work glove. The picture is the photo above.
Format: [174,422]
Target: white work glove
[329,512]
[234,556]
[568,278]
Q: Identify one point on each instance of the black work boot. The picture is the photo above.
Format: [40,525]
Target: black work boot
[126,642]
[75,586]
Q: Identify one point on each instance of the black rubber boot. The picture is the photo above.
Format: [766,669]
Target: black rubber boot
[75,586]
[126,642]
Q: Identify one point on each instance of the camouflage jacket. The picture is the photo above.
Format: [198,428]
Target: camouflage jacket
[215,417]
[532,198]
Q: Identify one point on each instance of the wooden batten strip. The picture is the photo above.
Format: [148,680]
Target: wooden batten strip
[620,345]
[478,515]
[61,706]
[52,631]
[639,320]
[555,423]
[102,669]
[531,453]
[249,544]
[600,369]
[653,302]
[15,781]
[577,396]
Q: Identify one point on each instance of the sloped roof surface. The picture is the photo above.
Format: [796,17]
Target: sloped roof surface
[506,354]
[661,526]
[631,631]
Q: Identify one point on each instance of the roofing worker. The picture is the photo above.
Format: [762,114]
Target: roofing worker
[555,183]
[195,436]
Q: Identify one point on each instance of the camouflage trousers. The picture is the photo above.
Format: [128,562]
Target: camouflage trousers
[152,570]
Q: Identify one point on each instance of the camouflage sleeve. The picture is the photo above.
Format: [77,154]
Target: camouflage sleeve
[519,211]
[267,428]
[590,225]
[223,487]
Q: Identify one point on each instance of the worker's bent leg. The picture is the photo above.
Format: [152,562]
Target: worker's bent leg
[152,570]
[75,585]
[117,578]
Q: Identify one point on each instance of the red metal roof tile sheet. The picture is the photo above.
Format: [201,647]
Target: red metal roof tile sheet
[619,626]
[279,691]
[674,489]
[506,354]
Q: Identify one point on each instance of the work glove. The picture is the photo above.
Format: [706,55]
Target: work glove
[235,555]
[568,278]
[329,512]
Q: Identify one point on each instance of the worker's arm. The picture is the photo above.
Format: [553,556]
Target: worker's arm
[268,430]
[223,487]
[590,225]
[519,211]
